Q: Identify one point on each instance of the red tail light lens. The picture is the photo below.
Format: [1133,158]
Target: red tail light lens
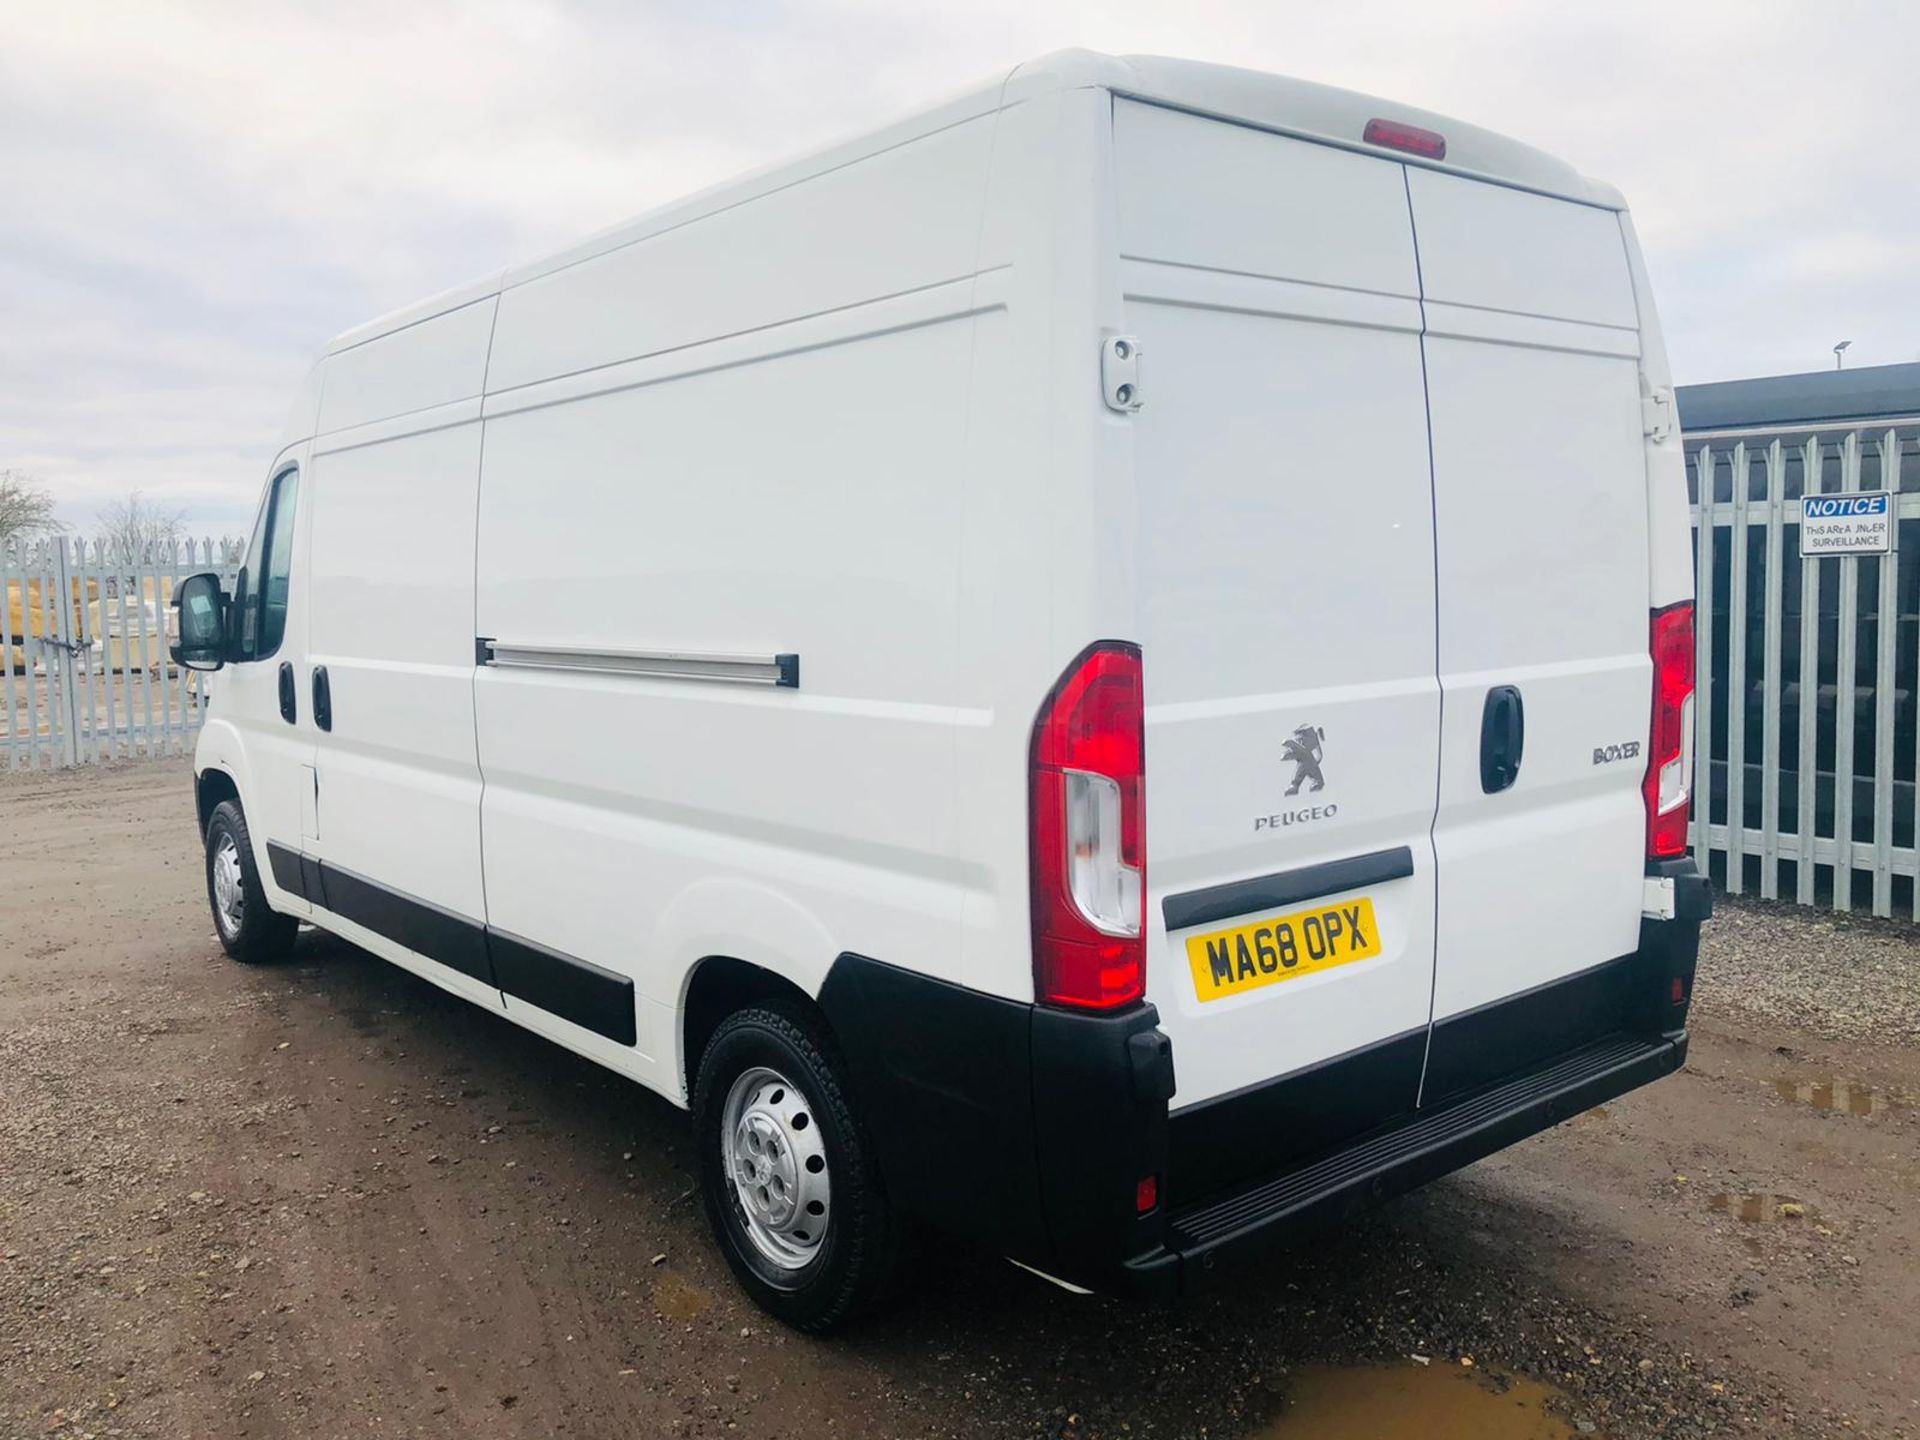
[1670,758]
[1146,1194]
[1089,868]
[1393,135]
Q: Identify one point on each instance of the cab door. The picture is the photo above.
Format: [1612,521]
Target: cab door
[258,688]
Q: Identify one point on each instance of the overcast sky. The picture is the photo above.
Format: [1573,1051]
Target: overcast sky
[197,195]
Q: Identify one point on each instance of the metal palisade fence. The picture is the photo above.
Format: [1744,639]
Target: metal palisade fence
[1806,745]
[84,632]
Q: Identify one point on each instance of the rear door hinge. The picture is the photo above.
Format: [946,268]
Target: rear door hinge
[1120,373]
[1656,412]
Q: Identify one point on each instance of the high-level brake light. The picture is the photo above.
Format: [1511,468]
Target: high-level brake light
[1670,756]
[1428,144]
[1088,866]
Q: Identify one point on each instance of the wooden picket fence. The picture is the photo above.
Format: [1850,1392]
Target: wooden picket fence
[84,632]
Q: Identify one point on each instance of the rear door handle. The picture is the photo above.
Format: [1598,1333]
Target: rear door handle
[322,698]
[1503,738]
[289,711]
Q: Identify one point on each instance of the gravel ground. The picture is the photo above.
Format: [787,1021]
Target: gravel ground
[324,1198]
[1845,977]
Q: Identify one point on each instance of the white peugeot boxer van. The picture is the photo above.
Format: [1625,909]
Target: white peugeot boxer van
[1107,670]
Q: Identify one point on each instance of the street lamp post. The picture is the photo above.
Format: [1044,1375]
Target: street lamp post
[1840,354]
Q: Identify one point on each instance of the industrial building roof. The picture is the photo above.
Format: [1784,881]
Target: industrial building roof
[1874,392]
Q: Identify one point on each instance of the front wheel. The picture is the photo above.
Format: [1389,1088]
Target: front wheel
[250,930]
[789,1181]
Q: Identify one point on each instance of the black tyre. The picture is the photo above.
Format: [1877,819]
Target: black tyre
[790,1185]
[250,930]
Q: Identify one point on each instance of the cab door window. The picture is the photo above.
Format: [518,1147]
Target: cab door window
[260,593]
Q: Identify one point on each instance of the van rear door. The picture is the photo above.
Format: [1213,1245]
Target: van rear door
[1540,504]
[1286,574]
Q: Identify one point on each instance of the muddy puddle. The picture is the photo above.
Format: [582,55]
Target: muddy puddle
[1841,1096]
[678,1298]
[1756,1208]
[1408,1401]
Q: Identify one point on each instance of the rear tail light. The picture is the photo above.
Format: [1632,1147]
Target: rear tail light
[1429,144]
[1089,869]
[1670,758]
[1146,1194]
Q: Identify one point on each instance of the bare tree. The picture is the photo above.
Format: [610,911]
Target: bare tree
[129,526]
[25,506]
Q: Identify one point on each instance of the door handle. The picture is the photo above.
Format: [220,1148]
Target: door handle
[288,711]
[1503,737]
[322,698]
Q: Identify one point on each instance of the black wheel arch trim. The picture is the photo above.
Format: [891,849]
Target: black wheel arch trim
[205,801]
[1058,1114]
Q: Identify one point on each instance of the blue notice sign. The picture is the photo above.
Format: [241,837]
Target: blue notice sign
[1859,522]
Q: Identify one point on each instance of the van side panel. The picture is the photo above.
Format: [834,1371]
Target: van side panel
[429,363]
[892,222]
[1542,541]
[782,482]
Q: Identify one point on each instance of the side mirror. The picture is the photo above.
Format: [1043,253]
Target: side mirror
[200,607]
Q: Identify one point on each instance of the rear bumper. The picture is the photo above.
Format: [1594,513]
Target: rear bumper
[1030,1129]
[1433,1142]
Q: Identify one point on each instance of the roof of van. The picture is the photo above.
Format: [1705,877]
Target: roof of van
[1251,97]
[1315,112]
[1872,392]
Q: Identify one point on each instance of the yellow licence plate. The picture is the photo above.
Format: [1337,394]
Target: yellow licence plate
[1266,952]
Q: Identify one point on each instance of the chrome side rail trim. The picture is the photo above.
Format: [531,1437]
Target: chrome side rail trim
[781,670]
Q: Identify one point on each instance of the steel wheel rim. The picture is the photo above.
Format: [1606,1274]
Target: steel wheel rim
[229,892]
[775,1161]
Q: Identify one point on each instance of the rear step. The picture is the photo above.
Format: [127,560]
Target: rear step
[1421,1148]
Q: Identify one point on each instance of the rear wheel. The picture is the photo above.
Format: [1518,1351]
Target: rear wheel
[250,930]
[789,1182]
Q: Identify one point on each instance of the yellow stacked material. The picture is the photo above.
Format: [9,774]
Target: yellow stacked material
[29,613]
[132,635]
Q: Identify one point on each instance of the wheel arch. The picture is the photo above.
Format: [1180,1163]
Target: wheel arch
[210,787]
[219,768]
[718,986]
[736,941]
